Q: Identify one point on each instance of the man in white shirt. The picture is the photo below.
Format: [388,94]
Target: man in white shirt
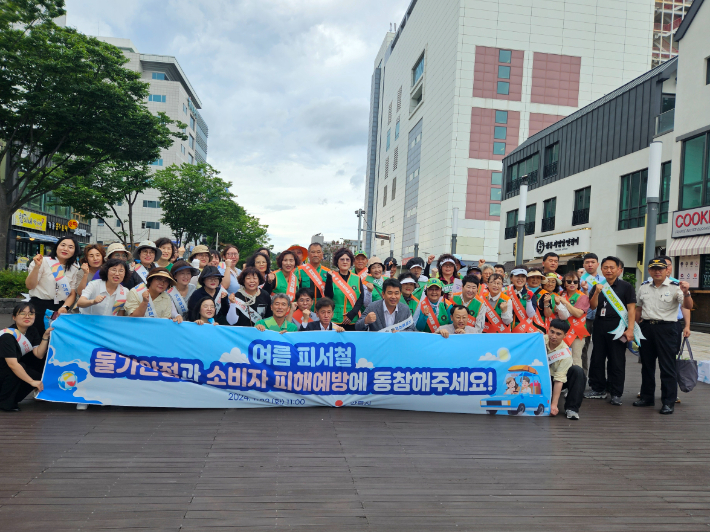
[390,313]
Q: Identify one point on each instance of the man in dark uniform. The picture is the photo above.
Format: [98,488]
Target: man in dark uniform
[605,348]
[658,303]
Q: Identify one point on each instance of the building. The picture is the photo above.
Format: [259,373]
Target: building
[459,85]
[588,171]
[172,94]
[667,16]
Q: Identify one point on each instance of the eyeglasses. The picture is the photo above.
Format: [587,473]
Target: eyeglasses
[232,255]
[568,281]
[26,315]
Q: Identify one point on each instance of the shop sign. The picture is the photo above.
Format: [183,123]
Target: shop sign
[689,270]
[691,222]
[81,232]
[72,224]
[57,226]
[570,242]
[28,219]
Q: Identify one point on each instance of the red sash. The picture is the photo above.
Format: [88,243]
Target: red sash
[298,316]
[483,291]
[363,275]
[292,284]
[525,324]
[344,287]
[314,276]
[494,323]
[431,319]
[577,327]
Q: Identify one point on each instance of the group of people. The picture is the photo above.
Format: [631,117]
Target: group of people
[588,319]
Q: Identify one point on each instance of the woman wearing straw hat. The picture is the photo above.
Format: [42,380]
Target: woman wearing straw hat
[180,293]
[211,285]
[150,300]
[549,301]
[202,254]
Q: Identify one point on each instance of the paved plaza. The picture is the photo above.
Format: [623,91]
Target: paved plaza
[338,469]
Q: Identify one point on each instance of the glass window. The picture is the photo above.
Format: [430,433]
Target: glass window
[500,132]
[494,209]
[497,178]
[182,148]
[100,222]
[118,222]
[396,131]
[503,87]
[191,142]
[549,207]
[499,148]
[511,218]
[150,225]
[503,72]
[394,187]
[384,197]
[388,139]
[501,117]
[160,98]
[667,102]
[150,204]
[530,213]
[184,108]
[192,122]
[190,159]
[159,75]
[157,162]
[693,178]
[418,70]
[552,153]
[495,194]
[504,56]
[707,71]
[581,198]
[665,194]
[632,204]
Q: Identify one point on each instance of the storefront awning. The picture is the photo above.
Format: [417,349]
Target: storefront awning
[692,245]
[38,236]
[562,262]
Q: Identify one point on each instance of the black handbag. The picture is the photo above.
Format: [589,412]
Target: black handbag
[686,370]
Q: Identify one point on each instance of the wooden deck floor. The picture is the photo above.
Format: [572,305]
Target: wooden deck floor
[340,469]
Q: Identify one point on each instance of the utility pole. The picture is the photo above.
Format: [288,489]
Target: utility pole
[454,229]
[653,188]
[416,240]
[360,213]
[521,219]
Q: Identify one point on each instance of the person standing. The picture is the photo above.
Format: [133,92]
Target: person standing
[577,304]
[550,262]
[52,281]
[150,300]
[144,261]
[433,309]
[496,307]
[166,252]
[285,279]
[657,314]
[106,296]
[180,293]
[345,289]
[210,281]
[360,265]
[591,265]
[249,304]
[313,274]
[230,254]
[468,299]
[416,267]
[373,283]
[261,261]
[409,287]
[616,307]
[526,317]
[94,257]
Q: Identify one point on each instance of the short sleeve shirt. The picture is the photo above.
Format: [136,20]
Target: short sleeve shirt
[105,307]
[559,369]
[162,304]
[626,294]
[46,286]
[660,303]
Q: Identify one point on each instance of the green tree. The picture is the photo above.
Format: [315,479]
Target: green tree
[67,105]
[98,194]
[196,202]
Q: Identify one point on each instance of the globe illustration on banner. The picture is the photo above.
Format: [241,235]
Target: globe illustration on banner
[67,380]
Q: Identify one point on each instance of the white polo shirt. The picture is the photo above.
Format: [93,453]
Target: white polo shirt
[95,288]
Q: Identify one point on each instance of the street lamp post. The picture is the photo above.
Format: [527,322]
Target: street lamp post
[519,258]
[454,229]
[360,213]
[416,240]
[653,188]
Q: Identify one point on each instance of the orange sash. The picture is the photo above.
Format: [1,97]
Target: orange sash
[525,324]
[344,287]
[314,276]
[483,291]
[292,283]
[577,328]
[494,323]
[298,316]
[431,319]
[363,275]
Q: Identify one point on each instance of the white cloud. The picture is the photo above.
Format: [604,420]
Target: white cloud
[536,362]
[285,88]
[488,356]
[235,356]
[364,363]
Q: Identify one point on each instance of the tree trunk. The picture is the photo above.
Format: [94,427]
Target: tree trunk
[5,216]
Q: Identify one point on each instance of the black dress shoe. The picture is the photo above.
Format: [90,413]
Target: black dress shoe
[666,409]
[643,402]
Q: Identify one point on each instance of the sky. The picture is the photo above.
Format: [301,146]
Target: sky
[285,91]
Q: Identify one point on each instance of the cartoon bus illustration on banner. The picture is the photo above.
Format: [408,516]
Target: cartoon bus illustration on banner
[523,391]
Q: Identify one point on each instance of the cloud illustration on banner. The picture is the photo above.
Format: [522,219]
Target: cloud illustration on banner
[364,363]
[235,356]
[488,356]
[536,362]
[502,356]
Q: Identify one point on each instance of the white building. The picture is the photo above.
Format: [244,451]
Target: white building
[460,84]
[171,93]
[588,172]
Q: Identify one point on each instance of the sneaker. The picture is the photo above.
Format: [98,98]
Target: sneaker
[565,392]
[616,400]
[82,406]
[633,347]
[591,394]
[571,414]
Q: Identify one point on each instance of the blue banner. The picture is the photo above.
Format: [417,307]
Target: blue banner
[147,362]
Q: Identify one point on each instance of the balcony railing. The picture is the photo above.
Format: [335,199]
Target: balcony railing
[580,217]
[530,228]
[550,170]
[664,122]
[548,224]
[513,186]
[511,232]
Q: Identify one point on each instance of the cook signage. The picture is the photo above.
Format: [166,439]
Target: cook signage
[691,222]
